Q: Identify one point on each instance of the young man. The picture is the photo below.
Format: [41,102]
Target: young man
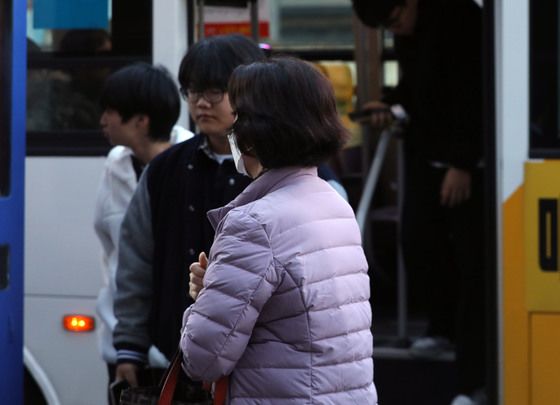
[165,226]
[439,48]
[140,106]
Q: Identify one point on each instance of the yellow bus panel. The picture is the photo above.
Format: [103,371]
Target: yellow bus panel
[542,201]
[545,357]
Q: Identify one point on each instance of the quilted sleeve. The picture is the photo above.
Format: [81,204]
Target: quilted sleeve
[239,280]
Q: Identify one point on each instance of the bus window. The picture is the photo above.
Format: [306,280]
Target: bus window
[311,25]
[544,128]
[318,22]
[67,66]
[5,122]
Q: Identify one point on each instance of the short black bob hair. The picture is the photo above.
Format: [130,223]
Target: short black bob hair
[141,88]
[286,113]
[374,13]
[208,63]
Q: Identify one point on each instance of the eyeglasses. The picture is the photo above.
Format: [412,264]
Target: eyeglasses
[213,96]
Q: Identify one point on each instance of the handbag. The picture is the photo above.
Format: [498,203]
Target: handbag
[171,391]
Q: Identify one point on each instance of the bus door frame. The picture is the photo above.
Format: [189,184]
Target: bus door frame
[12,125]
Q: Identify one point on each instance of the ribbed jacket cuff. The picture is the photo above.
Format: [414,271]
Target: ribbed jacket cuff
[131,356]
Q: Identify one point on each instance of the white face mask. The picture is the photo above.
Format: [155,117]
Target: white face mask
[236,154]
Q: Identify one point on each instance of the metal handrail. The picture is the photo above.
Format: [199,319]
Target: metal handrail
[362,213]
[363,219]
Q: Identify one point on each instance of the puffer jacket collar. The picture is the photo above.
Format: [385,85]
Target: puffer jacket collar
[266,183]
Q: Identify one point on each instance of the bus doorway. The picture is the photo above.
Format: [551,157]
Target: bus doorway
[431,379]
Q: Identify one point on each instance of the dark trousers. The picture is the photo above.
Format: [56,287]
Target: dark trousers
[443,250]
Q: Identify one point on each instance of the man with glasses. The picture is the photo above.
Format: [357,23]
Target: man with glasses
[165,227]
[439,49]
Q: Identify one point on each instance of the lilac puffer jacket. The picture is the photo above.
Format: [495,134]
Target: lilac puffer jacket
[284,310]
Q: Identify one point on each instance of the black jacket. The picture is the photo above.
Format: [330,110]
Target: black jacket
[164,230]
[184,184]
[441,83]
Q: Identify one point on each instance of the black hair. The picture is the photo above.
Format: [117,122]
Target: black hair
[374,13]
[209,62]
[286,112]
[141,88]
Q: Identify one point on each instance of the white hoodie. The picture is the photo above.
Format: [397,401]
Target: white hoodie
[117,186]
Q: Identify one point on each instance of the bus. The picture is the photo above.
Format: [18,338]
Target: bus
[71,48]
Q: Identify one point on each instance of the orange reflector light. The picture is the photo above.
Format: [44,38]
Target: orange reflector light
[78,323]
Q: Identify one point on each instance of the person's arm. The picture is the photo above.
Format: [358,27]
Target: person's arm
[239,280]
[465,84]
[381,116]
[115,191]
[463,80]
[118,186]
[102,225]
[133,297]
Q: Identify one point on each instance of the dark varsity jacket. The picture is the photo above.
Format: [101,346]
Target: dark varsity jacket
[163,232]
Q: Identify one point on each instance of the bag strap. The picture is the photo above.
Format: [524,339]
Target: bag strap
[170,380]
[172,376]
[220,391]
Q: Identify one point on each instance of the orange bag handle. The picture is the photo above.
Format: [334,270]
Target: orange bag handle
[170,382]
[172,376]
[220,391]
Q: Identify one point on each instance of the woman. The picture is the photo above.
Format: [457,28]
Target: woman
[284,306]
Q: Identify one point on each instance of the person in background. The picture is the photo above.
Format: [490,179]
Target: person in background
[438,44]
[282,308]
[67,98]
[140,106]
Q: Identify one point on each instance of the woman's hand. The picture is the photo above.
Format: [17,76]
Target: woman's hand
[197,269]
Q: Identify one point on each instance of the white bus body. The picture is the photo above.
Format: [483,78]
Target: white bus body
[63,254]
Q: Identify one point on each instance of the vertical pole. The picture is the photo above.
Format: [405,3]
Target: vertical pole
[367,57]
[254,9]
[369,77]
[200,19]
[170,40]
[402,287]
